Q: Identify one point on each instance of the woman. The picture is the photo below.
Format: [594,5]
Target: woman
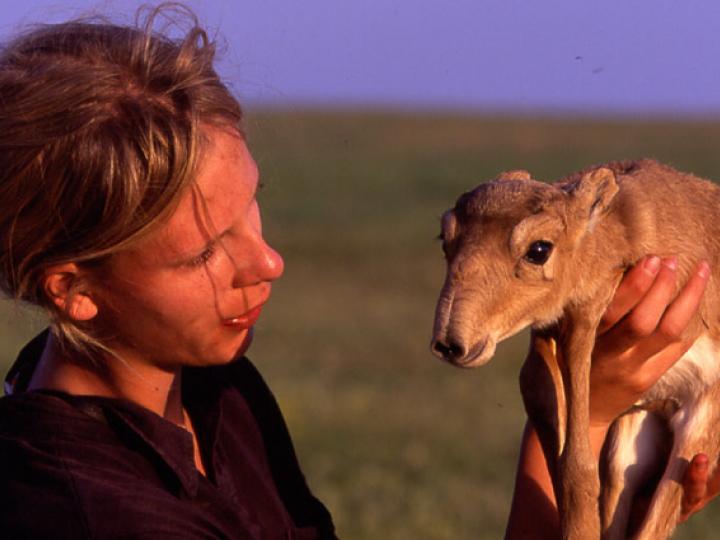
[129,214]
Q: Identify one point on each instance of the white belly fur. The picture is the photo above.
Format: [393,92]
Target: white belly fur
[698,369]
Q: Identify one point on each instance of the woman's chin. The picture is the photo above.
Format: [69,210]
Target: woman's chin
[245,345]
[225,351]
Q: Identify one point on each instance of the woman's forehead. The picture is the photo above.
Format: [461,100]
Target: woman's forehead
[226,178]
[225,165]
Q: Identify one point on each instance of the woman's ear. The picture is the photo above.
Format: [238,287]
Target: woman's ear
[66,287]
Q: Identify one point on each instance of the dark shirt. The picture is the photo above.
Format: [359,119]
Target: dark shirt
[86,467]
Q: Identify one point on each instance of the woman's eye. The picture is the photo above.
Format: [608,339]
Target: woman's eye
[204,257]
[539,252]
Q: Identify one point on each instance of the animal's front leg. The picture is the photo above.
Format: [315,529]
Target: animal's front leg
[578,471]
[543,394]
[695,430]
[634,456]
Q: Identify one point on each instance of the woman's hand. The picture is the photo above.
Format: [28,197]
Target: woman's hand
[640,335]
[639,339]
[698,486]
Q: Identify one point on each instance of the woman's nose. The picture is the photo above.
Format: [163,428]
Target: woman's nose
[262,263]
[273,264]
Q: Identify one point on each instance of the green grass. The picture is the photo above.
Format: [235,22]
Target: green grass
[398,445]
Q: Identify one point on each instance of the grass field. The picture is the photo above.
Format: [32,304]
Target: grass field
[398,445]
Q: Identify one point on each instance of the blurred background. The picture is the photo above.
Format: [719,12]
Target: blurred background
[368,119]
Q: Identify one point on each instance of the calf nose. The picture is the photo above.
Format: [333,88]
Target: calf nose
[448,349]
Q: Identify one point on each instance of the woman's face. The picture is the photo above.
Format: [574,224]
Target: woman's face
[190,293]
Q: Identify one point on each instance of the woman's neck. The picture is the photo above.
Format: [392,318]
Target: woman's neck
[156,389]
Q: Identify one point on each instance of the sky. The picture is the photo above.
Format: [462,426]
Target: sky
[628,57]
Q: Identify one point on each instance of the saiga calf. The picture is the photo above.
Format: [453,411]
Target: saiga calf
[524,253]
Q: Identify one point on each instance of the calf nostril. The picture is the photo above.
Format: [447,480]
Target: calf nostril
[449,350]
[439,348]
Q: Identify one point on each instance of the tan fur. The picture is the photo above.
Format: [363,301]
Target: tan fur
[598,221]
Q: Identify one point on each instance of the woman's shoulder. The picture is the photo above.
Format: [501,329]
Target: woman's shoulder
[52,438]
[75,467]
[36,488]
[79,467]
[39,417]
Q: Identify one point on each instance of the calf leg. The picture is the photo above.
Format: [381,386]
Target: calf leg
[543,394]
[577,468]
[632,458]
[695,431]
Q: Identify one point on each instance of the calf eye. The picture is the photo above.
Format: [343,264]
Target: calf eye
[539,252]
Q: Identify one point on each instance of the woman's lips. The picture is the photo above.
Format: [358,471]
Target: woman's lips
[246,320]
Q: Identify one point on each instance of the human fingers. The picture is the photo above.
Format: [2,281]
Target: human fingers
[636,282]
[695,486]
[679,314]
[667,337]
[713,485]
[642,320]
[616,382]
[624,367]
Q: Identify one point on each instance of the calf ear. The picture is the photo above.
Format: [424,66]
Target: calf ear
[514,175]
[593,193]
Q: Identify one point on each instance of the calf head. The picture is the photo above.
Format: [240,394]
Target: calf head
[512,248]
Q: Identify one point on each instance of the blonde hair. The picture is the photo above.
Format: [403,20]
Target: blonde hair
[99,136]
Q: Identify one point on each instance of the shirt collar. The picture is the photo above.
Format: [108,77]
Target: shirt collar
[171,443]
[21,371]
